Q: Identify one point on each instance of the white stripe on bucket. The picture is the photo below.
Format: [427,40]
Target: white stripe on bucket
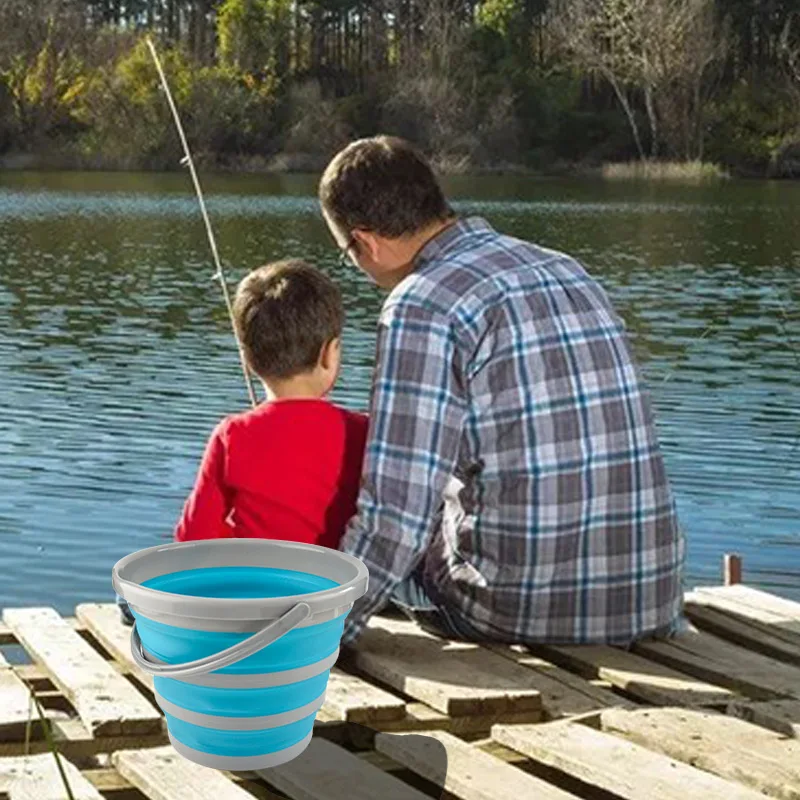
[240,723]
[232,625]
[129,573]
[258,680]
[241,763]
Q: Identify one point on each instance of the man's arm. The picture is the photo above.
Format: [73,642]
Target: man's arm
[206,510]
[417,412]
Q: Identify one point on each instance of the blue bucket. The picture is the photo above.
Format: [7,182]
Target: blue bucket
[240,636]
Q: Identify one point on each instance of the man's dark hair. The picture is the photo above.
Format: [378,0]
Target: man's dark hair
[284,313]
[382,185]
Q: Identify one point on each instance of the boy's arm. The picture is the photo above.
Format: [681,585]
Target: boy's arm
[207,507]
[417,411]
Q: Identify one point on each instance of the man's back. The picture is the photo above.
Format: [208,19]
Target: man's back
[559,523]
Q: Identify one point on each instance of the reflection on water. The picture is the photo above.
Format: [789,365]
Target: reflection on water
[116,359]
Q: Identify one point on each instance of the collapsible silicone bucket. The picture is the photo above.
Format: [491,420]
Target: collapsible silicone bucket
[240,636]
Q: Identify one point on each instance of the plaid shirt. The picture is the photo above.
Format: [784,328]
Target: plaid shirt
[512,460]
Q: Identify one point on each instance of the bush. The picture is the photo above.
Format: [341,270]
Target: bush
[129,124]
[318,127]
[8,130]
[749,127]
[679,171]
[433,112]
[785,162]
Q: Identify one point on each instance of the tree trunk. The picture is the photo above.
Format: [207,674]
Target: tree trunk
[628,112]
[360,48]
[697,122]
[297,39]
[652,116]
[318,41]
[400,32]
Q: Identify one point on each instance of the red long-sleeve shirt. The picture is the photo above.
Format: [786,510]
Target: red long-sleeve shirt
[288,469]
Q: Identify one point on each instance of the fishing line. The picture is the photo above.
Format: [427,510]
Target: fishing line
[187,160]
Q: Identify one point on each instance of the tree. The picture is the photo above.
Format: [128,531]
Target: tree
[790,45]
[254,36]
[41,63]
[664,49]
[684,48]
[595,35]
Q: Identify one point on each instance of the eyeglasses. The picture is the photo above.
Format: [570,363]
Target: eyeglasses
[345,253]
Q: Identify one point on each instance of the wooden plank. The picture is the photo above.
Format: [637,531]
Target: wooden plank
[352,699]
[730,748]
[639,677]
[497,750]
[106,779]
[33,675]
[710,658]
[74,741]
[103,622]
[767,612]
[6,636]
[107,704]
[420,718]
[758,603]
[161,774]
[616,765]
[325,771]
[562,692]
[455,678]
[109,783]
[15,706]
[741,631]
[465,771]
[781,716]
[37,778]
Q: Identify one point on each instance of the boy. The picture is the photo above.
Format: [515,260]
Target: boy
[290,468]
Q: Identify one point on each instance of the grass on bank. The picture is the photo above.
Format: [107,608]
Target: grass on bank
[679,171]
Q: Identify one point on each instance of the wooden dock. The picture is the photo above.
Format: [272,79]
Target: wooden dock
[714,713]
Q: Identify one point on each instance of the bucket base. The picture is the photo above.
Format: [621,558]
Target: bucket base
[241,763]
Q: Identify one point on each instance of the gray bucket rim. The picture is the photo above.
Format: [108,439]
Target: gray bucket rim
[129,572]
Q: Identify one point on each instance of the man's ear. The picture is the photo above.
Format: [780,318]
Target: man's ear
[367,243]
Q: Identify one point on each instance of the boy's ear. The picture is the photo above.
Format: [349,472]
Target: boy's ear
[328,352]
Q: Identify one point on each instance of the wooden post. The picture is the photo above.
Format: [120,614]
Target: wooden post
[732,569]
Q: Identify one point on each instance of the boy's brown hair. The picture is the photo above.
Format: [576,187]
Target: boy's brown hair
[284,313]
[383,185]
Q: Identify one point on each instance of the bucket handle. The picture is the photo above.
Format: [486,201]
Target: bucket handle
[241,650]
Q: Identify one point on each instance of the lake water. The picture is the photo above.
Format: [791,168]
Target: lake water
[116,359]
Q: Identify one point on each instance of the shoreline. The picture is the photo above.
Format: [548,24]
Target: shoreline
[305,164]
[298,164]
[280,164]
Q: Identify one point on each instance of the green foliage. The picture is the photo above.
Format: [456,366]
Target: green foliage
[253,36]
[127,119]
[43,88]
[750,126]
[501,16]
[486,83]
[8,132]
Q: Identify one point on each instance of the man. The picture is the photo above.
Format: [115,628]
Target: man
[513,488]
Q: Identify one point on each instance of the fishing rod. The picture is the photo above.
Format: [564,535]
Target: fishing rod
[219,275]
